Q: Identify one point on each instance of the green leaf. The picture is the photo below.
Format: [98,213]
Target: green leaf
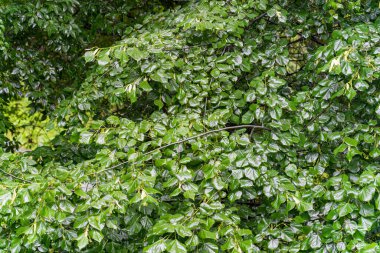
[67,206]
[85,137]
[375,153]
[204,234]
[82,240]
[156,247]
[347,68]
[89,56]
[104,59]
[315,241]
[276,82]
[215,73]
[97,236]
[361,85]
[135,53]
[305,206]
[345,209]
[273,244]
[159,103]
[176,246]
[291,170]
[377,202]
[251,173]
[350,93]
[193,241]
[378,111]
[340,149]
[250,96]
[95,222]
[144,85]
[183,231]
[210,248]
[350,141]
[370,248]
[248,117]
[367,193]
[5,196]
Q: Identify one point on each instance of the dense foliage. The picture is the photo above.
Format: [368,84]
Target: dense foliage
[190,126]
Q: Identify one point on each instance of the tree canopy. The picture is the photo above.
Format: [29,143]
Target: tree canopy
[189,126]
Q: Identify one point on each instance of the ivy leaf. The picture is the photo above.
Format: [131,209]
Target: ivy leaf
[215,73]
[251,173]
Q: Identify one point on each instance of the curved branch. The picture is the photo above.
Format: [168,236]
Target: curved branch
[15,177]
[188,139]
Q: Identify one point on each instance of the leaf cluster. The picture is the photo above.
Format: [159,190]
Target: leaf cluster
[212,126]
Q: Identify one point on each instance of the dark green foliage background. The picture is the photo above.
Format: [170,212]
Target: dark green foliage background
[284,95]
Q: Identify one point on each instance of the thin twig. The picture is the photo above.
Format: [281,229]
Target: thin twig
[297,71]
[317,40]
[296,41]
[15,177]
[257,18]
[318,115]
[188,139]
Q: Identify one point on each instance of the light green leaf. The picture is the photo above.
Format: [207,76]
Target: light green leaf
[248,117]
[350,141]
[82,240]
[176,246]
[95,222]
[135,53]
[273,244]
[315,241]
[345,209]
[144,85]
[85,137]
[156,247]
[97,236]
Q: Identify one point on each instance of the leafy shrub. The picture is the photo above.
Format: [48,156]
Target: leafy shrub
[209,126]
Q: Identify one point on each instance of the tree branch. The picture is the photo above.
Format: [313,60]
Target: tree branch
[188,139]
[257,18]
[15,177]
[317,40]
